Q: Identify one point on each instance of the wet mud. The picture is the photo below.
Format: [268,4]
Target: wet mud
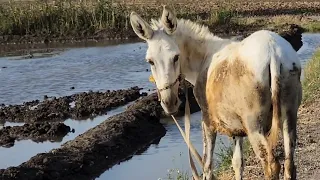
[37,132]
[78,106]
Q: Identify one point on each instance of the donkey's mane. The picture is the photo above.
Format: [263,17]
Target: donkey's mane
[186,27]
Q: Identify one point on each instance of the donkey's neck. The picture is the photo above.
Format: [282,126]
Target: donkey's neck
[196,51]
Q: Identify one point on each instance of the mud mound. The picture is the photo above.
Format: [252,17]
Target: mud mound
[78,106]
[293,34]
[37,132]
[98,149]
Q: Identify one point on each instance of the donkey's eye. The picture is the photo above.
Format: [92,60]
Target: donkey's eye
[176,58]
[150,62]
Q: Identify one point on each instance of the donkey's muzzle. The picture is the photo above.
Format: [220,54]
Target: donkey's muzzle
[170,104]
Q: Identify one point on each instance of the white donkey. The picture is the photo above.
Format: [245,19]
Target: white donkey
[245,88]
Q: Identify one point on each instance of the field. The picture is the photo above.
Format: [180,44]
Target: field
[121,136]
[45,21]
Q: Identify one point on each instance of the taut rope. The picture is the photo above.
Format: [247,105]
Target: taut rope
[186,134]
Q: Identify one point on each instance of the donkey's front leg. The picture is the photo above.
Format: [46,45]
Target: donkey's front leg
[204,141]
[210,138]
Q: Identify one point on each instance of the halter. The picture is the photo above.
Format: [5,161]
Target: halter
[180,78]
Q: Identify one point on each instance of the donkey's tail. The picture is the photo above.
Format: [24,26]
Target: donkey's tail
[275,68]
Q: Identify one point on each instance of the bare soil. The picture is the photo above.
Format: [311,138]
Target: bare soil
[37,132]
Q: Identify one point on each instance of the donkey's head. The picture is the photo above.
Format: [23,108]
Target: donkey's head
[163,55]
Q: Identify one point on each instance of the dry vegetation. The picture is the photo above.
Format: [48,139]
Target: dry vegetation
[101,19]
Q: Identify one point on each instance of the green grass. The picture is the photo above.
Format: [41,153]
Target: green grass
[311,81]
[312,27]
[226,157]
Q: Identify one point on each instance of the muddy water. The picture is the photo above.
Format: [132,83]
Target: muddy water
[100,68]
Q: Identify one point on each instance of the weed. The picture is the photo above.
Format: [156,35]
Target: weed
[311,81]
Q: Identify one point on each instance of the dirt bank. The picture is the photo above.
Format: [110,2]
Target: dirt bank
[77,106]
[37,132]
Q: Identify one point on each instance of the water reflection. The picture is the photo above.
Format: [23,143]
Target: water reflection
[25,149]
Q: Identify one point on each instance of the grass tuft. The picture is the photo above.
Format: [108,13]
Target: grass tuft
[311,81]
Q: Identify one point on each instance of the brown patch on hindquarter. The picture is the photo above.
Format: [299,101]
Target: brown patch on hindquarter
[231,91]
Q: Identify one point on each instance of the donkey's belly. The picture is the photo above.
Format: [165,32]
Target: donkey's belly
[229,124]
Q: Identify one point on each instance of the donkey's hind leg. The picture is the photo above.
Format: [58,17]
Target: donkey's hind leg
[289,129]
[237,159]
[291,101]
[262,150]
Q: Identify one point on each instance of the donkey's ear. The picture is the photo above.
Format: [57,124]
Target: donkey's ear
[169,20]
[140,27]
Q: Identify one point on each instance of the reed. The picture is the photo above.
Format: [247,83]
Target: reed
[65,18]
[110,19]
